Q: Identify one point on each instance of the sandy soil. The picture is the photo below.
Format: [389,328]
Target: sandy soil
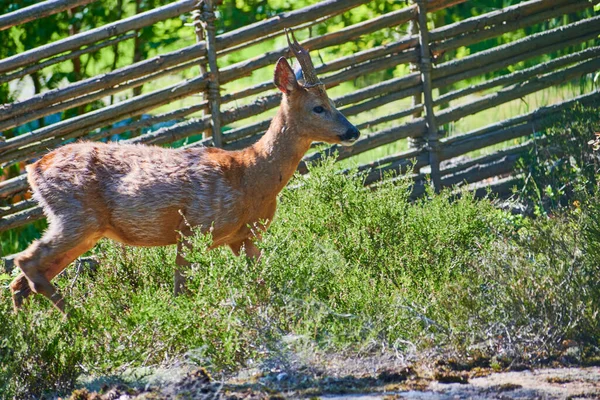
[387,384]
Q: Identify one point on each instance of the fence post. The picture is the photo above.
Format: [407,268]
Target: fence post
[199,31]
[416,142]
[214,93]
[432,137]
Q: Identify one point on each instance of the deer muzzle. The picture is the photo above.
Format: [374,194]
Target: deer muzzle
[352,133]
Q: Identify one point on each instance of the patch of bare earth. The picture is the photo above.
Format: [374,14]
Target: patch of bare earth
[365,378]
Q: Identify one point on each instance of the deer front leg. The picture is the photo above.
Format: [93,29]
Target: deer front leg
[182,264]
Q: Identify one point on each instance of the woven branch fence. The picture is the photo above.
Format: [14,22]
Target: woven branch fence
[215,109]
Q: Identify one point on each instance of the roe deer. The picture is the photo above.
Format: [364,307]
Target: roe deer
[150,196]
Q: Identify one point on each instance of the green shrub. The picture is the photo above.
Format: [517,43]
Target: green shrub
[342,267]
[563,165]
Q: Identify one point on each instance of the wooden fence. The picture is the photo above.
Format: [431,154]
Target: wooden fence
[429,148]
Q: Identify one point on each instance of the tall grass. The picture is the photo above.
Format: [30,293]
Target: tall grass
[342,267]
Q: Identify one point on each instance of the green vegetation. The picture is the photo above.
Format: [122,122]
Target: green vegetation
[343,267]
[562,169]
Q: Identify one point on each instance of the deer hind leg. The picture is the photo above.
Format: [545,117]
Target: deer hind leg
[249,247]
[41,262]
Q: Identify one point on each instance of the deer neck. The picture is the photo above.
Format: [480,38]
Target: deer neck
[276,156]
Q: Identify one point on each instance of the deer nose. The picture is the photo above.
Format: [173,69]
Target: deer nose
[351,135]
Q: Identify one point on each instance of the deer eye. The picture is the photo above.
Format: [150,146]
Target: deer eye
[318,109]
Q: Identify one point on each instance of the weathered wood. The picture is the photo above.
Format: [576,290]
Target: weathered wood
[330,39]
[213,94]
[272,35]
[21,218]
[13,114]
[500,188]
[240,133]
[478,36]
[55,60]
[37,11]
[104,32]
[380,138]
[426,67]
[148,122]
[18,207]
[517,91]
[418,108]
[31,152]
[502,166]
[486,159]
[437,5]
[509,129]
[505,14]
[14,185]
[391,85]
[104,116]
[380,101]
[85,99]
[355,71]
[402,156]
[417,99]
[261,105]
[379,51]
[397,167]
[521,75]
[292,18]
[173,133]
[447,78]
[521,47]
[203,64]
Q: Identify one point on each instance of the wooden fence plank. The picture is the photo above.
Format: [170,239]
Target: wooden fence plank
[37,11]
[484,34]
[385,136]
[55,60]
[334,38]
[503,15]
[13,114]
[521,75]
[425,64]
[21,218]
[284,20]
[509,129]
[15,208]
[13,185]
[519,47]
[495,156]
[517,91]
[448,78]
[343,62]
[107,115]
[104,32]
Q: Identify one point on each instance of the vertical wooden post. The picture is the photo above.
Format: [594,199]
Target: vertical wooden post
[426,68]
[199,31]
[214,93]
[416,142]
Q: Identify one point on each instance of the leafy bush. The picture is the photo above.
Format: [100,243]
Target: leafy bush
[563,165]
[342,267]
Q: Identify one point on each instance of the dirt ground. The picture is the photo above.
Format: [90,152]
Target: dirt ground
[366,378]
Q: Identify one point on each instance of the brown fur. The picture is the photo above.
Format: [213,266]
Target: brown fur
[145,195]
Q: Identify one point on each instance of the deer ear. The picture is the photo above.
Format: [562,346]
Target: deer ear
[284,78]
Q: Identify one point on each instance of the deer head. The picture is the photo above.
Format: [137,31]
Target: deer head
[305,105]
